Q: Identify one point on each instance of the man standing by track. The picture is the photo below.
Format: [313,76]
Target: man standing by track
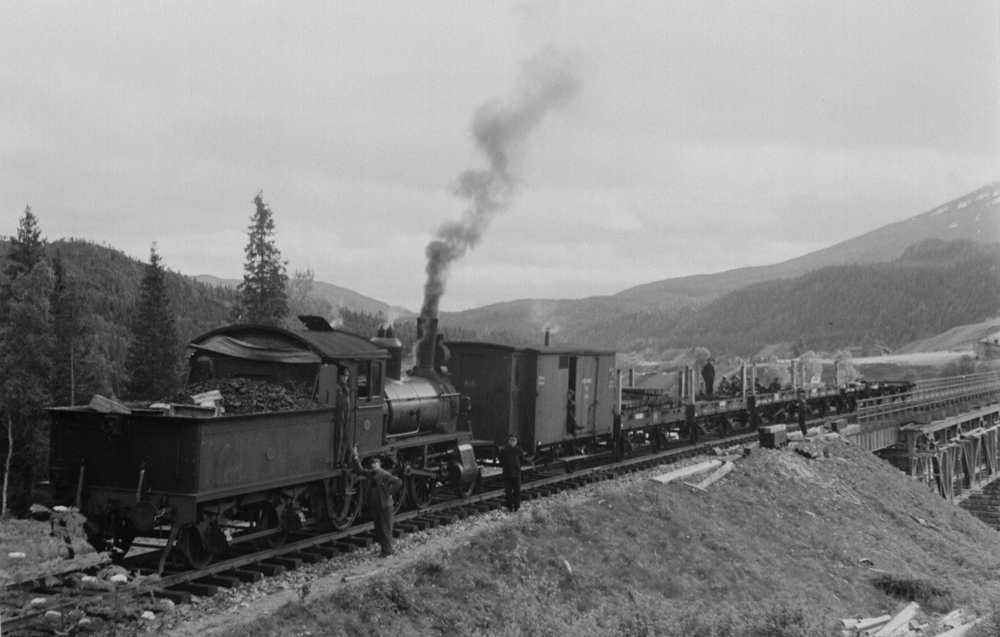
[342,415]
[381,486]
[511,458]
[803,409]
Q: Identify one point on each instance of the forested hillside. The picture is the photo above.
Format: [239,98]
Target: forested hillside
[932,288]
[111,281]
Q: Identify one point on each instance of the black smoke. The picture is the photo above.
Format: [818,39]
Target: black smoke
[546,81]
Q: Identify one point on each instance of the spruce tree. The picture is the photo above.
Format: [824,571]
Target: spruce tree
[25,363]
[27,248]
[263,293]
[153,357]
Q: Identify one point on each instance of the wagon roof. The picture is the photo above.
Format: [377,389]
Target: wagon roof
[561,351]
[262,340]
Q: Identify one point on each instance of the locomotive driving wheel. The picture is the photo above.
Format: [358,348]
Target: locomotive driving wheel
[422,490]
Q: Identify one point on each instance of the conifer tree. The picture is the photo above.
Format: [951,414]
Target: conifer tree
[263,293]
[27,248]
[153,357]
[25,363]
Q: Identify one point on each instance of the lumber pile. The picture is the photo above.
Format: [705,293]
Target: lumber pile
[904,624]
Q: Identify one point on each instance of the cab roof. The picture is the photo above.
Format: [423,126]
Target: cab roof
[267,341]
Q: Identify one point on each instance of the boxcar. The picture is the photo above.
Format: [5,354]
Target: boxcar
[553,399]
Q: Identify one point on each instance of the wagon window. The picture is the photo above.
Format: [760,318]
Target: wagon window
[364,373]
[376,380]
[564,362]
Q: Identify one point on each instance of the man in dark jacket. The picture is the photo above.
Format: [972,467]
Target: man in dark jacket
[803,409]
[708,373]
[378,493]
[342,414]
[511,458]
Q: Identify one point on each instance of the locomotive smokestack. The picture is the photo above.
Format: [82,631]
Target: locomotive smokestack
[547,337]
[426,346]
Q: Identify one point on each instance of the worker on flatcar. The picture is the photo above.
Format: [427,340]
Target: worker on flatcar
[381,487]
[724,388]
[511,457]
[708,373]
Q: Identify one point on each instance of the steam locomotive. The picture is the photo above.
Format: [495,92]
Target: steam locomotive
[203,480]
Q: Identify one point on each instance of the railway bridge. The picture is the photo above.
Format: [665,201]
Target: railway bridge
[946,435]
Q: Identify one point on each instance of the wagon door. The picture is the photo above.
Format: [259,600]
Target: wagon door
[586,404]
[369,407]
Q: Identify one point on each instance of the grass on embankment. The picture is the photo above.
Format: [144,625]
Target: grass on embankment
[773,549]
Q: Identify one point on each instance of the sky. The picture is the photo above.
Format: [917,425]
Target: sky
[699,136]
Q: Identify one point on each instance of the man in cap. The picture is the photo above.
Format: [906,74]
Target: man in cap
[378,494]
[511,458]
[342,414]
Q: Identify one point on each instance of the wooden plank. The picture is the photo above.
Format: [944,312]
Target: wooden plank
[958,631]
[694,469]
[899,620]
[718,475]
[865,623]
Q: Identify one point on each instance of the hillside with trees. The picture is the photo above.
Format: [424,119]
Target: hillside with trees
[973,217]
[933,287]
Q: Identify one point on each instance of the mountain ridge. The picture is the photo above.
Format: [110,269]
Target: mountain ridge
[336,295]
[974,216]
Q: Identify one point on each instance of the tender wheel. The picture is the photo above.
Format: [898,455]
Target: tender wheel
[265,519]
[422,490]
[193,549]
[619,449]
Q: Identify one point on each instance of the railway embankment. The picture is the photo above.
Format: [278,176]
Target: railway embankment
[782,545]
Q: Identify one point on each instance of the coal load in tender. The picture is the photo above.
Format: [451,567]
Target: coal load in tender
[247,396]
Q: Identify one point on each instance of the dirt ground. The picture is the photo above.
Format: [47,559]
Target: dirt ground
[783,545]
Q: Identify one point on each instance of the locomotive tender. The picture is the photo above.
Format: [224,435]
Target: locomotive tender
[203,480]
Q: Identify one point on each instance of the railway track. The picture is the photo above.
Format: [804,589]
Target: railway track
[235,567]
[243,563]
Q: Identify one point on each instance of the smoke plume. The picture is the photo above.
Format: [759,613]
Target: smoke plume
[546,81]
